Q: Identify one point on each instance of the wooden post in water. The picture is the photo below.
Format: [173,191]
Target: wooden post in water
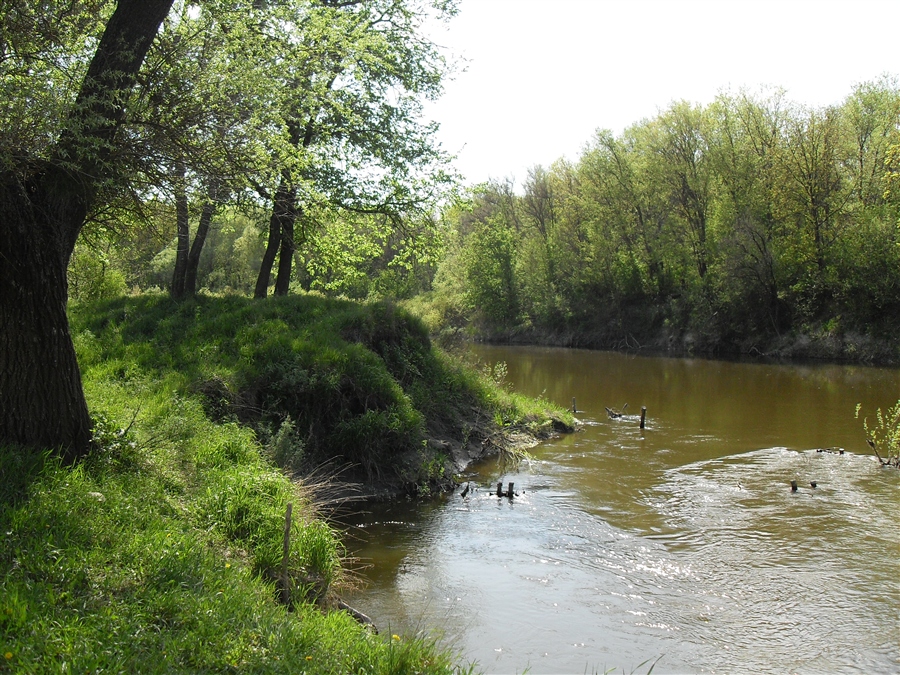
[643,415]
[500,489]
[285,582]
[510,493]
[574,409]
[793,486]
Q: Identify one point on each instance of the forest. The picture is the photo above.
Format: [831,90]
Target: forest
[741,226]
[750,225]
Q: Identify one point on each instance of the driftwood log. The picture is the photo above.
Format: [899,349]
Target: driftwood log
[615,414]
[510,493]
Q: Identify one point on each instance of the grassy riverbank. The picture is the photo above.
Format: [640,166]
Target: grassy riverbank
[162,551]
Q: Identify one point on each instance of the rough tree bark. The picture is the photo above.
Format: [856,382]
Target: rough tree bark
[187,252]
[286,254]
[281,223]
[43,204]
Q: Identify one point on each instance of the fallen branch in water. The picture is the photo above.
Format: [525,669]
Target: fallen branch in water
[359,616]
[615,414]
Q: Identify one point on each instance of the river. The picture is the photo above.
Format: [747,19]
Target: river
[679,545]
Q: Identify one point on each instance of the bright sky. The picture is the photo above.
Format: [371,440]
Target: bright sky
[543,75]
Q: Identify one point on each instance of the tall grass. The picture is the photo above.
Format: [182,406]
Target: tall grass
[159,554]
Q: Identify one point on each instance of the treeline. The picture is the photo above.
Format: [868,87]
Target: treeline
[753,224]
[735,226]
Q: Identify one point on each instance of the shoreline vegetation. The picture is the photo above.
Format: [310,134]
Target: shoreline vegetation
[749,226]
[162,550]
[821,345]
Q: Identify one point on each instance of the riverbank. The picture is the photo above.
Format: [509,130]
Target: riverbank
[163,551]
[819,346]
[356,388]
[663,329]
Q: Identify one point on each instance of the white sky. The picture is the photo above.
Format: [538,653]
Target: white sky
[543,75]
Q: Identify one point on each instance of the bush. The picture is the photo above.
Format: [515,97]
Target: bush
[91,277]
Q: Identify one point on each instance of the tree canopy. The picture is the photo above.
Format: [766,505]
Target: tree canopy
[113,112]
[729,225]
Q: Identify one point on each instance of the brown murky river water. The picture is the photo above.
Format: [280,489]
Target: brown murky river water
[682,542]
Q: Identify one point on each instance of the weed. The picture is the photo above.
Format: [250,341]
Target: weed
[884,435]
[286,447]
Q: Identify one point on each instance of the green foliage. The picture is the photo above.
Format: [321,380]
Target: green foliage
[46,49]
[884,434]
[490,273]
[286,447]
[92,277]
[233,101]
[317,380]
[369,257]
[245,506]
[736,227]
[112,445]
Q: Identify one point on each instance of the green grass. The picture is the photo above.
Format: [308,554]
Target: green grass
[318,380]
[159,553]
[162,550]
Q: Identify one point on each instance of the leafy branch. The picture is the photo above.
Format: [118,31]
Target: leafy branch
[884,434]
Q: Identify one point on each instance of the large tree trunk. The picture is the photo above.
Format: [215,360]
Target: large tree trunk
[43,205]
[41,400]
[187,261]
[281,224]
[286,254]
[265,267]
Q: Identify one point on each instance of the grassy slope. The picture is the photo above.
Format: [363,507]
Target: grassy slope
[160,552]
[319,380]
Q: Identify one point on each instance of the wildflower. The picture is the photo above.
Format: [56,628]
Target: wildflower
[227,565]
[395,637]
[309,658]
[8,655]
